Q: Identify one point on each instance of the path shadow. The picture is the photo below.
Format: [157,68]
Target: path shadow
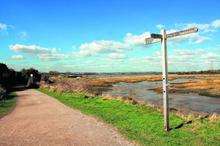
[18,88]
[22,88]
[181,125]
[11,96]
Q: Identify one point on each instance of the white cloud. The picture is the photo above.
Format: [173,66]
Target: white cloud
[44,54]
[109,46]
[32,49]
[204,30]
[201,27]
[171,30]
[195,38]
[17,57]
[216,23]
[134,40]
[180,59]
[131,40]
[204,27]
[3,26]
[188,53]
[210,56]
[52,57]
[102,46]
[198,56]
[116,56]
[181,53]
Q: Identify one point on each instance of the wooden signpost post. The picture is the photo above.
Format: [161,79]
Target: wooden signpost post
[155,38]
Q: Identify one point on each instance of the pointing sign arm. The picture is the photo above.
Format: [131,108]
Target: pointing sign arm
[151,41]
[155,38]
[183,32]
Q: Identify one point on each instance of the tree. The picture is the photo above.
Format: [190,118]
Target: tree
[7,76]
[27,72]
[10,78]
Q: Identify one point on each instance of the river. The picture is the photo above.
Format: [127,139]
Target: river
[183,102]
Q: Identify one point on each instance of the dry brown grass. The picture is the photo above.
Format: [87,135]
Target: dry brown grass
[203,84]
[208,85]
[96,84]
[128,79]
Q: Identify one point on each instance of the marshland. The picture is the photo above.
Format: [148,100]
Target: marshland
[188,93]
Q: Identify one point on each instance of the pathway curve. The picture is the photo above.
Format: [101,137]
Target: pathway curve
[39,119]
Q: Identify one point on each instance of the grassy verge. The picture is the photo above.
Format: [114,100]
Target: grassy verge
[141,123]
[9,104]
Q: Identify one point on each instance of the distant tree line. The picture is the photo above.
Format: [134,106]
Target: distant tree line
[56,73]
[10,77]
[199,72]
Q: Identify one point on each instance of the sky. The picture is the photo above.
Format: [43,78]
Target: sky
[107,36]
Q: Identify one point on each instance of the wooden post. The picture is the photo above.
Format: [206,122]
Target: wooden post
[154,38]
[165,80]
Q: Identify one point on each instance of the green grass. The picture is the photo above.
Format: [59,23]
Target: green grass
[141,123]
[9,104]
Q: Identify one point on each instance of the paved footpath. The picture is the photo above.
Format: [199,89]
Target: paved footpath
[39,119]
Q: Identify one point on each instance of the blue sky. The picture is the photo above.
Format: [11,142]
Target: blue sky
[107,36]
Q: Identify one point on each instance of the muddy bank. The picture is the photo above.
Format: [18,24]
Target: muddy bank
[186,103]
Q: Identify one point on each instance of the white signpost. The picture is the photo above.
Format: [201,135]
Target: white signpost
[155,38]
